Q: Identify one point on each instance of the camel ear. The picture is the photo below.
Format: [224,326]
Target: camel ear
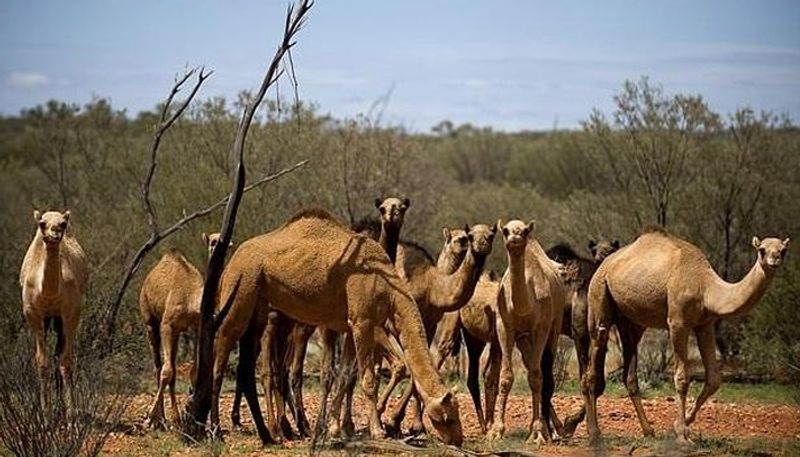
[37,216]
[499,225]
[407,202]
[615,244]
[466,228]
[785,243]
[378,202]
[66,215]
[494,229]
[446,234]
[756,242]
[205,238]
[531,226]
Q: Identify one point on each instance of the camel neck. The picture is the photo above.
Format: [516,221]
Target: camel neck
[448,261]
[451,292]
[389,238]
[728,300]
[408,323]
[520,301]
[51,274]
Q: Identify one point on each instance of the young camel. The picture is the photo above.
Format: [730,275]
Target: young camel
[661,281]
[275,358]
[169,303]
[579,272]
[530,308]
[316,271]
[53,279]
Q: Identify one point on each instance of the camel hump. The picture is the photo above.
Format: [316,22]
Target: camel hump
[655,229]
[562,252]
[314,213]
[369,226]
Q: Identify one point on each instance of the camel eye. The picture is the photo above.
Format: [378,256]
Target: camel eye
[762,252]
[63,225]
[783,252]
[505,231]
[382,210]
[42,225]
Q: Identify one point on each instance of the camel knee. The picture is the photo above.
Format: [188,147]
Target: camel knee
[632,385]
[713,381]
[681,382]
[506,382]
[167,374]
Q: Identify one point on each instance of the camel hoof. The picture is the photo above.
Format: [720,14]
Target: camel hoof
[496,433]
[595,439]
[537,438]
[648,432]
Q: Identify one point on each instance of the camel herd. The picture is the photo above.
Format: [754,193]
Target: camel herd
[383,299]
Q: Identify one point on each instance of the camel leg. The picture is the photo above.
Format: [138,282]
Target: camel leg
[327,377]
[223,345]
[266,356]
[531,347]
[630,334]
[364,340]
[342,382]
[400,413]
[680,338]
[448,337]
[706,342]
[300,336]
[491,380]
[580,336]
[249,346]
[156,415]
[348,426]
[548,412]
[170,353]
[600,319]
[506,340]
[398,373]
[474,350]
[42,364]
[66,337]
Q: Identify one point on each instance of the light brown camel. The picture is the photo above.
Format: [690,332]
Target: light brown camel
[437,292]
[530,308]
[169,303]
[53,277]
[579,271]
[274,360]
[316,271]
[661,281]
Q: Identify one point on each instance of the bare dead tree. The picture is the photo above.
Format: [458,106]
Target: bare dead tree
[166,120]
[199,403]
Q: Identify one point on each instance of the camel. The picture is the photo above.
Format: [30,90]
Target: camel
[530,308]
[53,278]
[662,281]
[386,232]
[316,271]
[574,324]
[169,303]
[437,292]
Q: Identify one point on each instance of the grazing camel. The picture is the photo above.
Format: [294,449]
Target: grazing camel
[169,303]
[53,279]
[579,272]
[661,281]
[530,308]
[437,292]
[315,270]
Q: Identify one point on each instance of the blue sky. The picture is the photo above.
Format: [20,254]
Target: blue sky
[508,64]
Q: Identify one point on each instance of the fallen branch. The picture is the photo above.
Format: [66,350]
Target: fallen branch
[401,447]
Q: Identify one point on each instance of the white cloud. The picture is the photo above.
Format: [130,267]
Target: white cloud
[27,80]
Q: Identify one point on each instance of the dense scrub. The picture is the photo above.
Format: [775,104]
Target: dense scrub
[715,179]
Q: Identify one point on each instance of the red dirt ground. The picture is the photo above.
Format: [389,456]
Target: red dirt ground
[617,418]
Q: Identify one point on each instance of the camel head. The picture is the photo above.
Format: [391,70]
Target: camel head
[52,226]
[392,210]
[211,242]
[456,242]
[442,415]
[602,249]
[771,251]
[480,238]
[516,233]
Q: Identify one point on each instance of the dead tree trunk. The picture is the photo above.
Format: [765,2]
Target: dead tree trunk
[199,403]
